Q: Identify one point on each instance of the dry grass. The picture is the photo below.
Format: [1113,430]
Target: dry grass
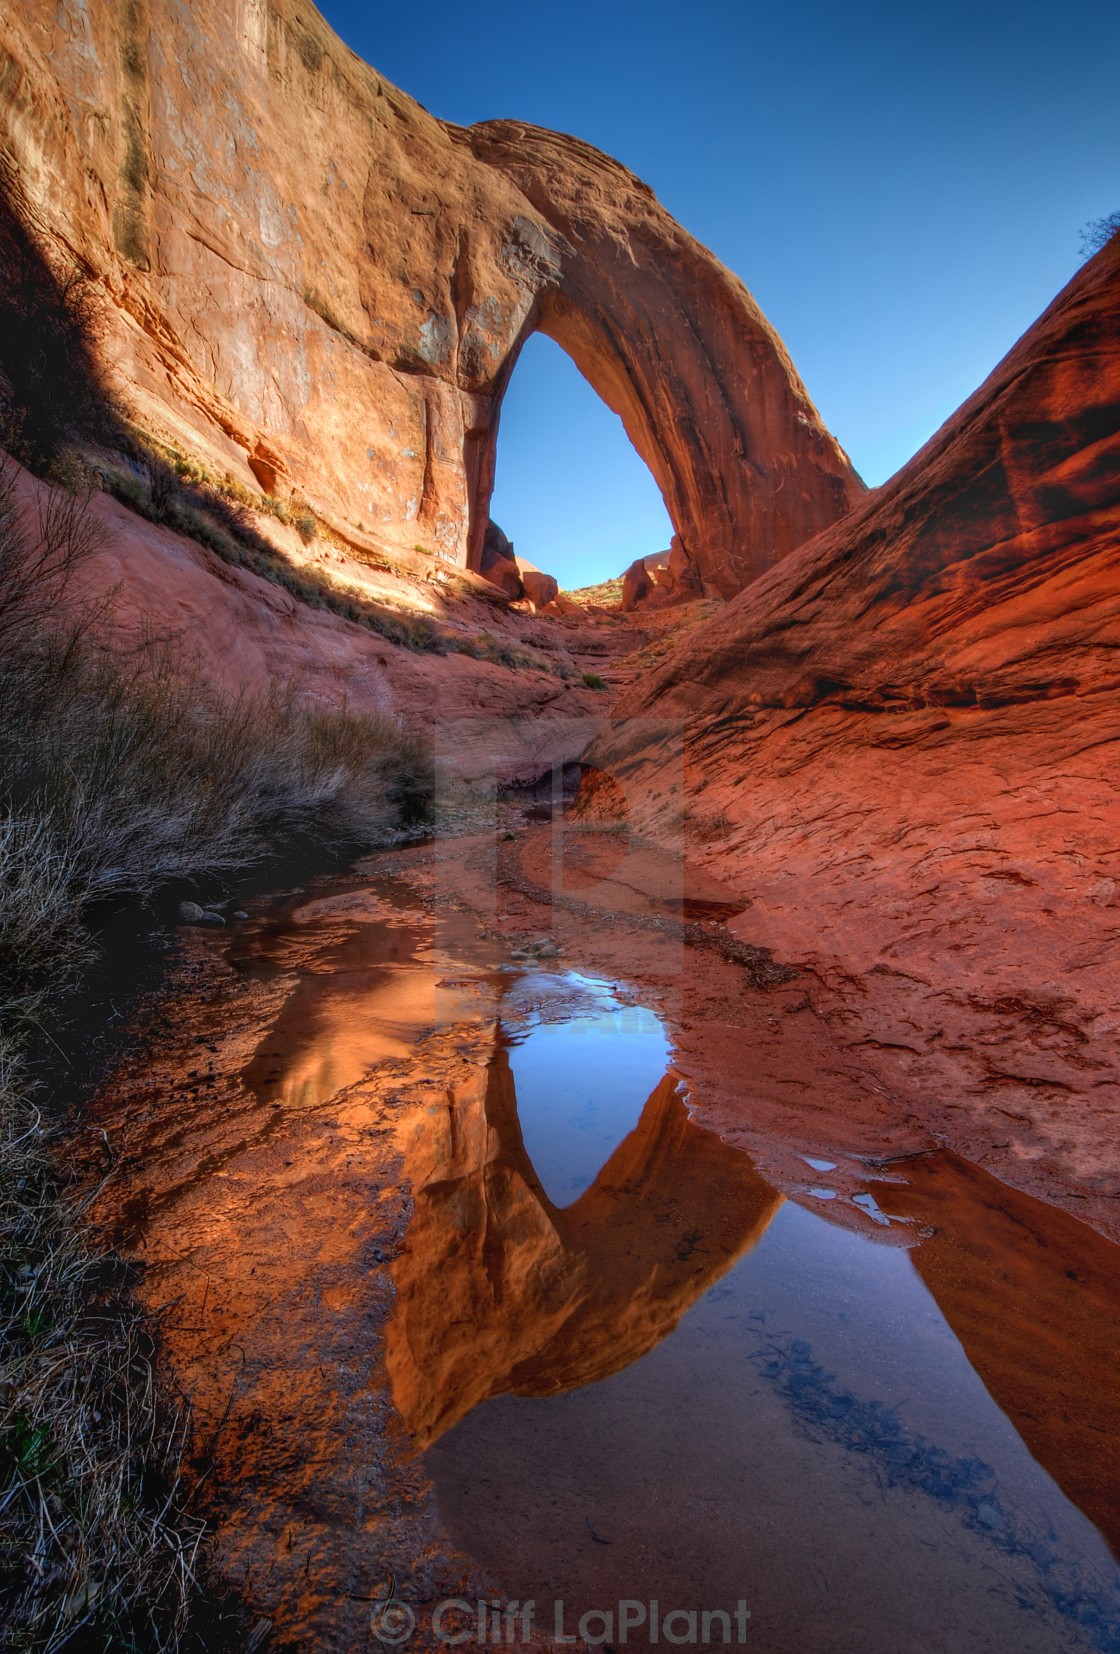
[97,1546]
[218,515]
[117,774]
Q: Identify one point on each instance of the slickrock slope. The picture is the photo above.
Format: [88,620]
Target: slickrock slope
[902,744]
[317,286]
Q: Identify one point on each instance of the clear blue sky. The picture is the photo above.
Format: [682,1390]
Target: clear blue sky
[901,187]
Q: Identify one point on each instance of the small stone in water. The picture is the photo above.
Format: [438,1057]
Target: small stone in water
[191,914]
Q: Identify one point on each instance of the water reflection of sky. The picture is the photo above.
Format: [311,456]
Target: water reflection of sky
[582,1085]
[811,1435]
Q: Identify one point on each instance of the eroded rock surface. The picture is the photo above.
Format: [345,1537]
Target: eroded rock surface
[901,747]
[314,284]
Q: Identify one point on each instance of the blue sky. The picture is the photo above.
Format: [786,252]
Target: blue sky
[900,186]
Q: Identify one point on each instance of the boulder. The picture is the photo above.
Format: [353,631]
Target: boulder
[637,585]
[682,575]
[661,578]
[539,588]
[498,563]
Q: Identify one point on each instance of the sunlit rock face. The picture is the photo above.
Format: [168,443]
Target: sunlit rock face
[901,747]
[498,1289]
[321,288]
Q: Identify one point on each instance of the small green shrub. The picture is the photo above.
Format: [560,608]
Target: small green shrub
[592,680]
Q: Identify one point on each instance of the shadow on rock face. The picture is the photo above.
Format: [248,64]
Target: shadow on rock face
[499,1290]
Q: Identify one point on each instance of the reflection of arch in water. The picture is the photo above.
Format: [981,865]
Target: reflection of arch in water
[1034,1297]
[362,989]
[499,1290]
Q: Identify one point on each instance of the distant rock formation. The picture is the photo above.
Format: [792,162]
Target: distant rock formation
[498,562]
[637,581]
[540,589]
[662,578]
[903,746]
[312,284]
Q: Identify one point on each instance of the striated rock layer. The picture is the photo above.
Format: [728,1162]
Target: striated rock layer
[321,288]
[901,748]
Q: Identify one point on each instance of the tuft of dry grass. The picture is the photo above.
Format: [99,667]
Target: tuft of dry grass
[98,1548]
[116,775]
[121,772]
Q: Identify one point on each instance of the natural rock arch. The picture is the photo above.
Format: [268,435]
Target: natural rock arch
[332,305]
[676,346]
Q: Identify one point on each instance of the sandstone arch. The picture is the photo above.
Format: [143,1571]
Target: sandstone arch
[550,1299]
[333,304]
[676,346]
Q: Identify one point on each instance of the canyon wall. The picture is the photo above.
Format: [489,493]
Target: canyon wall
[901,748]
[313,284]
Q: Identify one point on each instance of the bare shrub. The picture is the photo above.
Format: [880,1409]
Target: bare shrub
[1098,233]
[38,559]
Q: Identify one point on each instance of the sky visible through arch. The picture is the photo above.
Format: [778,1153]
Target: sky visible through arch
[901,188]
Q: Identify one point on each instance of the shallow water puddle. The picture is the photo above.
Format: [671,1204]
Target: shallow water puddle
[885,1418]
[677,1388]
[582,1065]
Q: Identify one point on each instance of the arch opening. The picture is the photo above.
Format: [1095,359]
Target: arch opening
[569,488]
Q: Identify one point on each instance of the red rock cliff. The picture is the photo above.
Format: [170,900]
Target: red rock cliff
[315,284]
[901,745]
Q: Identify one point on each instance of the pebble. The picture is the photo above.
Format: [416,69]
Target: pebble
[191,914]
